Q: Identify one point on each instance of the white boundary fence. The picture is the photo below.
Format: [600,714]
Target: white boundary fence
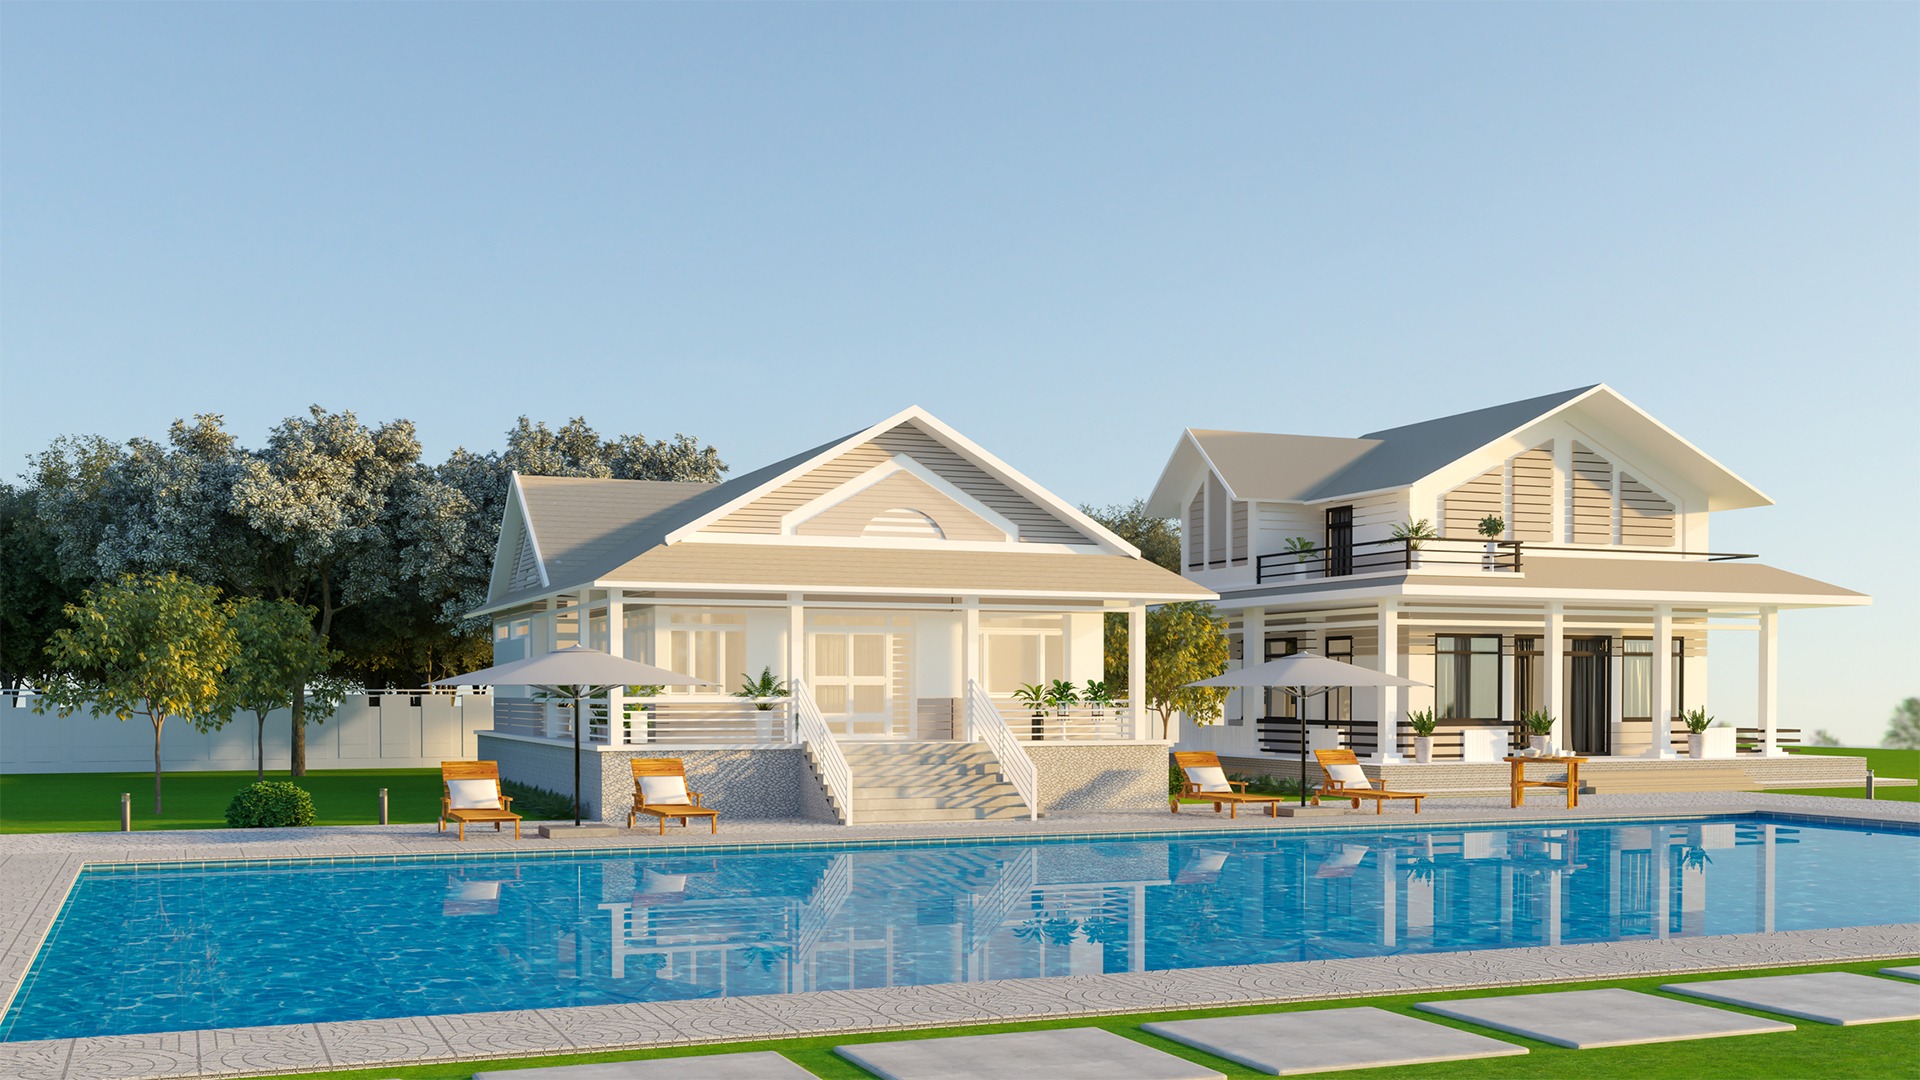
[388,729]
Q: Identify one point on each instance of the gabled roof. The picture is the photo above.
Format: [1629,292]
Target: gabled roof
[1306,468]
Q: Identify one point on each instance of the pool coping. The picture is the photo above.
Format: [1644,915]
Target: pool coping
[37,872]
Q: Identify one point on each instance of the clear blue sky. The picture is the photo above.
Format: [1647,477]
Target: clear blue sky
[1068,230]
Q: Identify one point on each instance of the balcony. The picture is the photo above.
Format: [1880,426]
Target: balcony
[1442,556]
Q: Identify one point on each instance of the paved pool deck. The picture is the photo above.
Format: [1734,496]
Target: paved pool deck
[37,870]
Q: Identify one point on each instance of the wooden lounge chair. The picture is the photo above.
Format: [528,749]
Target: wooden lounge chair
[668,800]
[470,791]
[1214,786]
[1346,781]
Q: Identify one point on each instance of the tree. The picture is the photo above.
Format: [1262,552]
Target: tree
[33,590]
[1185,643]
[156,646]
[1157,538]
[1823,737]
[278,661]
[1903,731]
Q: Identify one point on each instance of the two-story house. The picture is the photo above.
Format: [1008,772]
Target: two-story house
[1591,598]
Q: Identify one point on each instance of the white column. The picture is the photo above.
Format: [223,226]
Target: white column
[1660,683]
[1253,650]
[1389,899]
[1662,881]
[616,646]
[1767,701]
[1553,658]
[969,659]
[1393,699]
[796,638]
[1763,887]
[1137,670]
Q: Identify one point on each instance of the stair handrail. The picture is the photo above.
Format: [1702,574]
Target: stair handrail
[1018,878]
[818,739]
[1015,763]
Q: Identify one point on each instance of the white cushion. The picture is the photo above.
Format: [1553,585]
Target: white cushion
[1208,778]
[473,794]
[1348,775]
[663,790]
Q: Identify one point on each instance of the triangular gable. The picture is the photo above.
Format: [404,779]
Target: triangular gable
[1036,514]
[900,498]
[517,566]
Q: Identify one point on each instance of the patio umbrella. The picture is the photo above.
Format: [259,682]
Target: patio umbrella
[1300,676]
[576,672]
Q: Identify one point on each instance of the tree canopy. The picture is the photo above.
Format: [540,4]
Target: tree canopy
[1903,730]
[1157,538]
[1185,643]
[279,660]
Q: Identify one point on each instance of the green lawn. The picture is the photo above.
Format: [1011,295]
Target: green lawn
[90,802]
[1873,1052]
[1884,763]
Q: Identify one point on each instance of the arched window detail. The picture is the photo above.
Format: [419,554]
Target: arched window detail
[903,523]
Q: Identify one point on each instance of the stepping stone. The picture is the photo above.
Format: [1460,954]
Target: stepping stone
[1912,972]
[1059,1054]
[1584,1019]
[763,1065]
[1326,1040]
[1828,997]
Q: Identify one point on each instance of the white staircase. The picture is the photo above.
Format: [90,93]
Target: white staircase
[929,781]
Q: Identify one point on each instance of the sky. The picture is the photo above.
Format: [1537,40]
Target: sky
[1068,230]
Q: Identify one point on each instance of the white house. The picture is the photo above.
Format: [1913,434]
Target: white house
[901,581]
[1594,602]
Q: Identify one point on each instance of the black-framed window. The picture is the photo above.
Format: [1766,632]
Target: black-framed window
[1280,704]
[1340,698]
[1526,677]
[1339,546]
[1636,677]
[1466,676]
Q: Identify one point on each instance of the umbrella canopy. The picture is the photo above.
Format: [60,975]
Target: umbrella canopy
[573,666]
[1301,676]
[1305,669]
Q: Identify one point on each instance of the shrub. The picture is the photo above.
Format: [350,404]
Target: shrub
[537,804]
[270,804]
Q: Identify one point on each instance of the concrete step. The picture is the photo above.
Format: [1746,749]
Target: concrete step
[1641,781]
[919,791]
[962,814]
[864,803]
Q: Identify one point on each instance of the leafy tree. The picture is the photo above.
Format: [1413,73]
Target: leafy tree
[1903,731]
[156,646]
[33,590]
[278,661]
[1185,643]
[1823,737]
[1157,538]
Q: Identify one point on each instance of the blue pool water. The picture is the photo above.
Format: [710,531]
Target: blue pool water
[172,949]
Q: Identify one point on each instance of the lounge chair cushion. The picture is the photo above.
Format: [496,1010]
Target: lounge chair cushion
[473,794]
[1348,775]
[663,790]
[1208,778]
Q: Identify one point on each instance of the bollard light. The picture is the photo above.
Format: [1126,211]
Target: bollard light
[126,811]
[1869,783]
[383,806]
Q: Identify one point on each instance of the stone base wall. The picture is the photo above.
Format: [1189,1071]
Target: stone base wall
[1115,776]
[774,782]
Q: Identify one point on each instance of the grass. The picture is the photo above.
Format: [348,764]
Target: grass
[1884,763]
[1873,1051]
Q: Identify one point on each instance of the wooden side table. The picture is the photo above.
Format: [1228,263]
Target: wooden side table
[1521,783]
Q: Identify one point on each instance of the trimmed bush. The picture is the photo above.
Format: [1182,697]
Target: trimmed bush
[270,804]
[537,804]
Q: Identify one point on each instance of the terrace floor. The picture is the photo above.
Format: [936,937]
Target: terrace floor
[36,871]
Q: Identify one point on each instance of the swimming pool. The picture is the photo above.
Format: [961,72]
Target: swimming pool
[161,948]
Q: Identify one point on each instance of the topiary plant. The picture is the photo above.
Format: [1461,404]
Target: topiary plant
[270,804]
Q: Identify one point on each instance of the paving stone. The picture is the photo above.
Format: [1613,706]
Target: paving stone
[1328,1040]
[1061,1054]
[763,1065]
[1827,997]
[1910,972]
[1584,1019]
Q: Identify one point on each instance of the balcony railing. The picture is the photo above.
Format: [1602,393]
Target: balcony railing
[1443,555]
[682,720]
[1074,723]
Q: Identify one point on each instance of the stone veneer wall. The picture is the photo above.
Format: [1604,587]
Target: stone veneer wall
[1112,776]
[773,782]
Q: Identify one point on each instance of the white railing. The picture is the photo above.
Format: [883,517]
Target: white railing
[712,720]
[1082,723]
[988,726]
[986,914]
[813,733]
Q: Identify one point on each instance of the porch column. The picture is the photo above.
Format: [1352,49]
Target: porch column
[796,640]
[1660,683]
[616,646]
[1137,670]
[969,659]
[1253,650]
[1393,699]
[1767,701]
[1553,658]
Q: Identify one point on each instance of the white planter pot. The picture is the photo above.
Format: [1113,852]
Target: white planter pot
[1541,745]
[1422,749]
[1715,742]
[1696,746]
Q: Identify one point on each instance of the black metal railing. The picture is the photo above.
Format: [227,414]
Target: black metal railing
[1376,556]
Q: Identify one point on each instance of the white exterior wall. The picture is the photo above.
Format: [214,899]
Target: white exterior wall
[939,669]
[1086,648]
[392,735]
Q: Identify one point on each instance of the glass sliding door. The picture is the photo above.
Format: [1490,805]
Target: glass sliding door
[1589,695]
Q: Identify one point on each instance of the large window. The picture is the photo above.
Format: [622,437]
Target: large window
[1466,677]
[1340,698]
[1636,678]
[707,645]
[1280,704]
[1022,649]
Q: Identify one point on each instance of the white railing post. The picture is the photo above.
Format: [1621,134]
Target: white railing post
[812,732]
[984,718]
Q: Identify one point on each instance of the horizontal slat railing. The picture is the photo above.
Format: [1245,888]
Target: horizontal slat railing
[1075,723]
[706,720]
[520,716]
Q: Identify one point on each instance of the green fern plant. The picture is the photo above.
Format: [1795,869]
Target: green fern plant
[1697,721]
[1301,547]
[1538,722]
[766,686]
[1422,722]
[1414,532]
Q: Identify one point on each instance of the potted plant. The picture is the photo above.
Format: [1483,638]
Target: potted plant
[1301,548]
[1491,527]
[1098,695]
[1061,696]
[1539,724]
[762,689]
[1697,722]
[1422,723]
[635,707]
[1414,533]
[1034,697]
